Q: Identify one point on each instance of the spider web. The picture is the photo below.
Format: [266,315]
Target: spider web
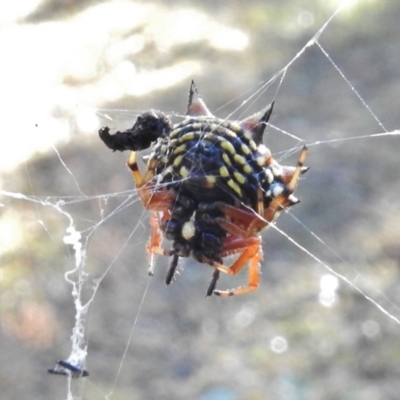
[327,307]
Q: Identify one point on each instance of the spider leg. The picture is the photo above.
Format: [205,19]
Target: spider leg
[252,254]
[154,246]
[132,164]
[160,200]
[154,243]
[290,173]
[246,222]
[172,269]
[152,197]
[300,169]
[240,222]
[286,199]
[213,283]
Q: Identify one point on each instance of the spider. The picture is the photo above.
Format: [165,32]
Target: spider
[211,186]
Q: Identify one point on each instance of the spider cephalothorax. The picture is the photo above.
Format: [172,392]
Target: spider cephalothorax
[211,185]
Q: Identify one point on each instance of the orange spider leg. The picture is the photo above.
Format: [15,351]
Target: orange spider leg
[291,174]
[285,199]
[232,245]
[242,222]
[156,199]
[252,254]
[154,243]
[298,171]
[153,198]
[287,173]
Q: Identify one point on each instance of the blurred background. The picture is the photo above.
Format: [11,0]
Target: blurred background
[69,67]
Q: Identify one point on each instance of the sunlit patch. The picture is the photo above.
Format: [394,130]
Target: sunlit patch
[197,27]
[72,65]
[86,120]
[351,6]
[10,233]
[328,287]
[12,10]
[229,39]
[279,344]
[147,81]
[345,4]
